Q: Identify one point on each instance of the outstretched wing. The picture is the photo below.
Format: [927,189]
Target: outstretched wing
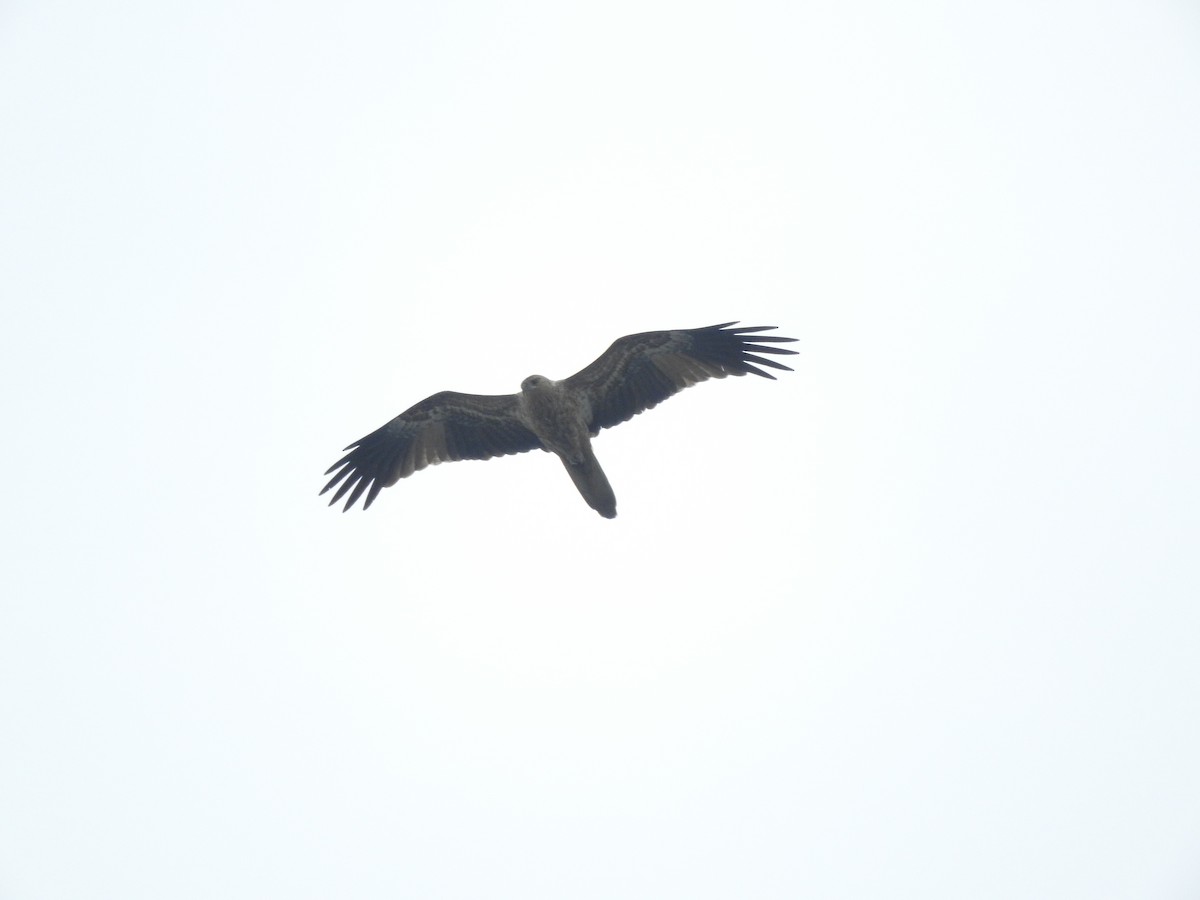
[447,426]
[639,371]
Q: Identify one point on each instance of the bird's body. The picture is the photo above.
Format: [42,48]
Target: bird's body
[635,374]
[559,417]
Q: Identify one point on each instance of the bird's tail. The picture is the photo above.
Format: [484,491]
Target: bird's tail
[593,484]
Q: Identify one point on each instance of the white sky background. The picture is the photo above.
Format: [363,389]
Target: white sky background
[919,620]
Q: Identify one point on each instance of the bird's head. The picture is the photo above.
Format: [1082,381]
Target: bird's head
[533,382]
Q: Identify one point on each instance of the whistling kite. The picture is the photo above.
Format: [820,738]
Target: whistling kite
[636,373]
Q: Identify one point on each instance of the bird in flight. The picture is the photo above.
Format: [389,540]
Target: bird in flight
[636,373]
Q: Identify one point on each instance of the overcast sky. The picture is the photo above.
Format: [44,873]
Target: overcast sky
[918,620]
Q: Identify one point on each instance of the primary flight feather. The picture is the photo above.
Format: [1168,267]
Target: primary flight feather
[636,373]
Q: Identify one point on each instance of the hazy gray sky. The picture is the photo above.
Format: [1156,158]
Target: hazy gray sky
[918,620]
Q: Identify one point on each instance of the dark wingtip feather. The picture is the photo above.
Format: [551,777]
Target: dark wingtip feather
[755,329]
[341,491]
[749,328]
[357,492]
[737,348]
[764,338]
[770,363]
[376,487]
[778,351]
[335,479]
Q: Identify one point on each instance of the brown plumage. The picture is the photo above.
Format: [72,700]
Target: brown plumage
[636,373]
